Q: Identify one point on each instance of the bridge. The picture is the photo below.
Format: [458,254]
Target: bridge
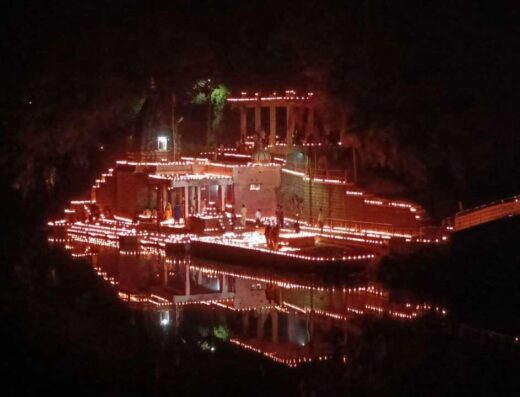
[487,213]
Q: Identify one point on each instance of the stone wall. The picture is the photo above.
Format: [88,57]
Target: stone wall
[261,187]
[247,179]
[335,203]
[105,194]
[132,192]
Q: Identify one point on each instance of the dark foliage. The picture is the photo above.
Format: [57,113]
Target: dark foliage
[426,92]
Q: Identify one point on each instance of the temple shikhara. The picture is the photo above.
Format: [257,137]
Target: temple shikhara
[266,196]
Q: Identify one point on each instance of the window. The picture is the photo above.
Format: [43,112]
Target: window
[254,186]
[162,143]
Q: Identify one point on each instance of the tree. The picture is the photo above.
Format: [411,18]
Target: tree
[204,93]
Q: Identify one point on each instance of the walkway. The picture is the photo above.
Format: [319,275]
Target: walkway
[487,213]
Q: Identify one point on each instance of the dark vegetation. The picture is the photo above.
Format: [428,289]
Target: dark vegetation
[426,92]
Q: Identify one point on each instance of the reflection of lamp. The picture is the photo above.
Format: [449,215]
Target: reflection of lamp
[164,318]
[162,143]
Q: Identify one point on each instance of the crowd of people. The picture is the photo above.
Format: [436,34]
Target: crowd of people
[271,228]
[272,231]
[272,236]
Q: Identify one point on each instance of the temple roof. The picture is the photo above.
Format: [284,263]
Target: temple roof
[153,121]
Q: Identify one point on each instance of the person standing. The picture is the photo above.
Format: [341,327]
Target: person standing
[282,218]
[258,217]
[296,226]
[267,234]
[168,211]
[177,213]
[320,220]
[243,214]
[277,213]
[275,234]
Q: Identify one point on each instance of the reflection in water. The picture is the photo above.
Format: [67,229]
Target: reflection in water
[290,320]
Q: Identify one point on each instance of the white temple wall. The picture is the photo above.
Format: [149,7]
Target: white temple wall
[256,188]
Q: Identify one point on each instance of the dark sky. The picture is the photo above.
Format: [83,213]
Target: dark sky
[442,77]
[258,36]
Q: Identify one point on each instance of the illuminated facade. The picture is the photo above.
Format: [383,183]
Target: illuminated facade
[204,195]
[299,111]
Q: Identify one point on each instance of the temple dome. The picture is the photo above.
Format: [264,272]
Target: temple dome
[261,156]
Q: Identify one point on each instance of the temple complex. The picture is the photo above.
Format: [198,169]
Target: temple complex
[268,195]
[252,175]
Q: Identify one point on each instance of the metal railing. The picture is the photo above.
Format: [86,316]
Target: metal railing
[487,213]
[366,227]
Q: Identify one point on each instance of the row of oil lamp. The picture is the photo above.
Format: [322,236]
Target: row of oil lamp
[290,362]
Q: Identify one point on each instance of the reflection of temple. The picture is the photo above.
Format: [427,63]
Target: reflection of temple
[288,320]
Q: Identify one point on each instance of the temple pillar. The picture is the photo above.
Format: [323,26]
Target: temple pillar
[186,204]
[222,197]
[191,200]
[260,325]
[243,122]
[290,124]
[291,327]
[272,125]
[198,200]
[258,118]
[224,284]
[187,286]
[274,325]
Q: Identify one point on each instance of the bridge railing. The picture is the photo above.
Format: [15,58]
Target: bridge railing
[487,213]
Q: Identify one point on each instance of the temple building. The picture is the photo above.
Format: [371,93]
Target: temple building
[266,170]
[153,135]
